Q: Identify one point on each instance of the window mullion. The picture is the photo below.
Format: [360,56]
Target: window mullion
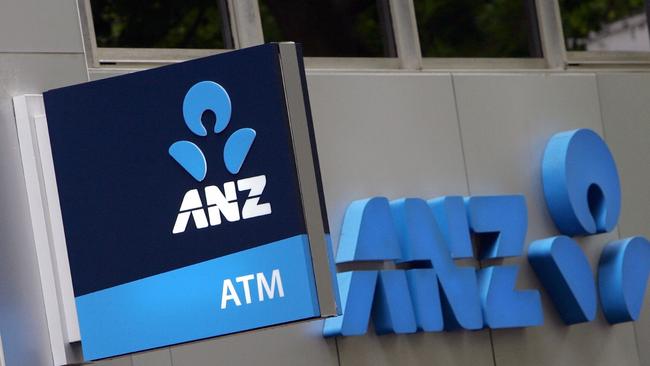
[88,33]
[647,14]
[406,34]
[551,33]
[246,23]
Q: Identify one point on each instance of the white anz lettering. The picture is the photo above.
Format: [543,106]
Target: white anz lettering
[222,202]
[219,204]
[193,206]
[255,186]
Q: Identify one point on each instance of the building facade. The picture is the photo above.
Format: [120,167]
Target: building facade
[405,125]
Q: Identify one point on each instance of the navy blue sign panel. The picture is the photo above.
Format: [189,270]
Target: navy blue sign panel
[181,203]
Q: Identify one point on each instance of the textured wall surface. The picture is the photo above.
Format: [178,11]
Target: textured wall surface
[625,108]
[394,134]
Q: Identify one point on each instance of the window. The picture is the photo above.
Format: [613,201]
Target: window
[605,25]
[369,34]
[330,28]
[161,24]
[477,28]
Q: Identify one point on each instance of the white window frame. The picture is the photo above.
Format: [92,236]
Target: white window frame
[246,29]
[97,57]
[590,59]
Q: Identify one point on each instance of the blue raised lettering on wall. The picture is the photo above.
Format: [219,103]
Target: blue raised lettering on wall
[393,310]
[425,296]
[581,184]
[356,290]
[583,195]
[501,222]
[563,269]
[451,216]
[622,277]
[421,240]
[368,234]
[428,292]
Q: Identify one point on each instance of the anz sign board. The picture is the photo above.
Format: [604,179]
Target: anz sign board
[186,211]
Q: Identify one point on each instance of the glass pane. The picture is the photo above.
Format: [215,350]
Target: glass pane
[330,28]
[159,23]
[605,25]
[478,28]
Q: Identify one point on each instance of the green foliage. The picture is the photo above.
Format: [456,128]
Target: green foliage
[157,23]
[447,28]
[475,28]
[326,27]
[580,17]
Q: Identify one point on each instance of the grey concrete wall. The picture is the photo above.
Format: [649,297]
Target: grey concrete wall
[625,108]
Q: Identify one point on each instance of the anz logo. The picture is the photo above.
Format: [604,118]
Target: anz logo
[220,201]
[427,291]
